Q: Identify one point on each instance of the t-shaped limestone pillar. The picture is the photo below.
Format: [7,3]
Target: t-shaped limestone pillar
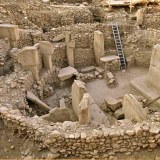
[84,110]
[11,32]
[78,90]
[70,44]
[154,69]
[98,46]
[28,58]
[46,49]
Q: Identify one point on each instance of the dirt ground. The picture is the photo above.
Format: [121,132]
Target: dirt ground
[12,146]
[99,90]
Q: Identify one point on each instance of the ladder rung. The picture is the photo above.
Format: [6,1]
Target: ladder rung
[118,44]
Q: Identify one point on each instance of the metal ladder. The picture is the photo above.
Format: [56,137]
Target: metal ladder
[117,40]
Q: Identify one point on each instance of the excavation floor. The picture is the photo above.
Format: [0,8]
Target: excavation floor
[99,90]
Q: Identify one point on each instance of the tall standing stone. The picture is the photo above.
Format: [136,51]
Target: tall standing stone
[140,15]
[70,44]
[78,91]
[153,77]
[46,49]
[11,32]
[98,46]
[28,58]
[84,111]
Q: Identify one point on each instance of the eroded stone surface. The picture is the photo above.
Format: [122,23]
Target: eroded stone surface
[133,109]
[66,73]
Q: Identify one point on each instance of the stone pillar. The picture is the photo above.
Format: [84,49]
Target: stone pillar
[153,77]
[46,49]
[133,109]
[139,14]
[70,45]
[11,32]
[84,112]
[98,46]
[28,58]
[78,91]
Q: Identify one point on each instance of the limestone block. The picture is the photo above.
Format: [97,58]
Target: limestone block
[109,58]
[154,70]
[28,56]
[35,99]
[98,46]
[69,49]
[59,115]
[58,38]
[71,43]
[84,111]
[99,69]
[62,103]
[154,76]
[112,103]
[67,37]
[140,16]
[46,49]
[88,69]
[10,31]
[133,109]
[78,91]
[155,57]
[66,73]
[35,71]
[110,75]
[119,114]
[97,115]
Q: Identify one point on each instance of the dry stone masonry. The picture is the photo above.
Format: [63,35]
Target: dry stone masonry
[61,87]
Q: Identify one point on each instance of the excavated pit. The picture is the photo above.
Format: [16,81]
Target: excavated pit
[61,87]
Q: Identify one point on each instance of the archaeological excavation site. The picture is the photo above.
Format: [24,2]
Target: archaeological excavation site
[80,79]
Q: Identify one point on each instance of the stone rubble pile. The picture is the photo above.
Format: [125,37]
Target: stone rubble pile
[90,73]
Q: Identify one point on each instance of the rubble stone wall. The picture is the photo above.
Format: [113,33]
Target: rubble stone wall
[54,18]
[71,1]
[85,144]
[137,44]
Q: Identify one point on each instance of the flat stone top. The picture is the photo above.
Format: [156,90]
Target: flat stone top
[98,31]
[109,58]
[66,73]
[88,69]
[110,100]
[8,25]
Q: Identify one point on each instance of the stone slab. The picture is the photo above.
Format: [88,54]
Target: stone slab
[133,109]
[66,73]
[10,31]
[88,69]
[112,103]
[97,115]
[28,56]
[99,69]
[140,86]
[109,58]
